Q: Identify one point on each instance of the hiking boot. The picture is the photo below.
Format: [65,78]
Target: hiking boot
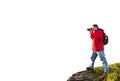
[88,68]
[105,74]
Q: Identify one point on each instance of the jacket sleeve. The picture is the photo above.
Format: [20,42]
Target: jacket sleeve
[97,35]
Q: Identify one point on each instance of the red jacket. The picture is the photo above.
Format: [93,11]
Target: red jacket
[97,38]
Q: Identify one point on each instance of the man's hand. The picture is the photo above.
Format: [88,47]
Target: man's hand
[92,31]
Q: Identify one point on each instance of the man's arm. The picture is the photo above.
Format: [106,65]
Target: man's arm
[97,34]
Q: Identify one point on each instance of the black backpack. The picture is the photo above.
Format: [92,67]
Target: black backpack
[105,38]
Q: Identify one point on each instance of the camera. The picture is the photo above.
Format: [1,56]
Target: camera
[89,29]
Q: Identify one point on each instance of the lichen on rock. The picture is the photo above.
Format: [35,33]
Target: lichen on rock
[86,76]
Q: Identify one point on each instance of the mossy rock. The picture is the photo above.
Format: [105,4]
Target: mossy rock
[98,74]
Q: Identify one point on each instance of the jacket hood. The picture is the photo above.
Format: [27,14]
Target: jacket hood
[100,29]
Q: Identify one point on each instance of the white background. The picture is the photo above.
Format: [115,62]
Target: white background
[47,40]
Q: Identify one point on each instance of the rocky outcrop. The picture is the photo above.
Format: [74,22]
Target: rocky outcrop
[87,76]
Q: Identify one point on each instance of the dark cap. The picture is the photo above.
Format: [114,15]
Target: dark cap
[95,25]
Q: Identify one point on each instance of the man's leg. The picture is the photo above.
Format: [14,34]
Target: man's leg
[105,64]
[93,57]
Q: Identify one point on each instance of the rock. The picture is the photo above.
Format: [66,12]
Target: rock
[86,76]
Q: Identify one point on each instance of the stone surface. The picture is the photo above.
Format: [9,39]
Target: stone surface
[86,76]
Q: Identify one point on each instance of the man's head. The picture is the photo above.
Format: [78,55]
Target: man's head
[95,27]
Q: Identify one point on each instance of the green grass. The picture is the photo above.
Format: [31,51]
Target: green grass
[114,74]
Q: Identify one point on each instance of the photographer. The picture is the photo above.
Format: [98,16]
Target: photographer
[96,35]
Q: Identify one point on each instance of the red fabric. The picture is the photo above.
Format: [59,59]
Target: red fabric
[97,37]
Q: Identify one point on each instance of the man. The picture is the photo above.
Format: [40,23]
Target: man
[96,35]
